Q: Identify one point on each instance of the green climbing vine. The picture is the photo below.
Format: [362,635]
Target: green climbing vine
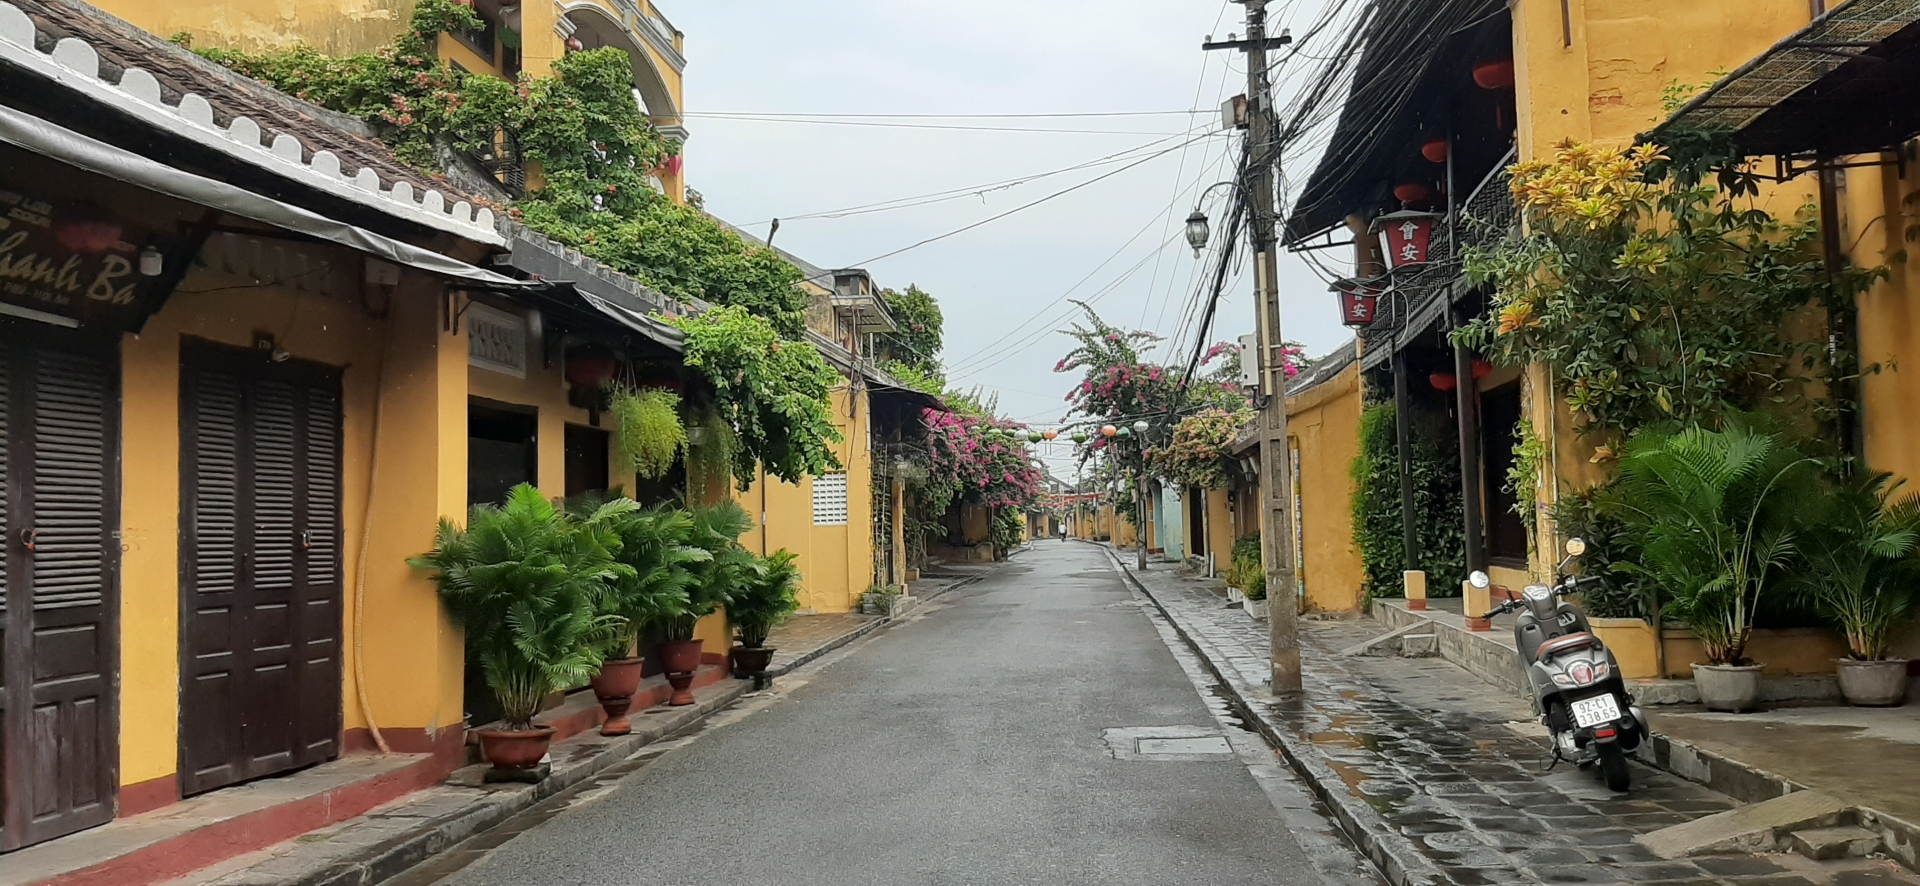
[772,393]
[579,131]
[1377,515]
[1523,478]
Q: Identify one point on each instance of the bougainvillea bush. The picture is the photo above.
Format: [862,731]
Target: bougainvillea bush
[978,459]
[1198,456]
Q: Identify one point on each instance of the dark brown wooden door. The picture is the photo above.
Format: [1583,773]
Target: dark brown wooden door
[59,594]
[260,566]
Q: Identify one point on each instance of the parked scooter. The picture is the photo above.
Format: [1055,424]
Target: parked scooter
[1577,686]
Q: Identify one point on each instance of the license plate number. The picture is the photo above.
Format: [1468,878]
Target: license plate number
[1595,711]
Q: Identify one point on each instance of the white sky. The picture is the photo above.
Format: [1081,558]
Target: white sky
[1000,285]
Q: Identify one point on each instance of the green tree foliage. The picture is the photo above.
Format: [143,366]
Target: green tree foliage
[918,341]
[580,127]
[771,392]
[1377,515]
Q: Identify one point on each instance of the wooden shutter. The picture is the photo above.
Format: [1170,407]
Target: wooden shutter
[261,611]
[61,555]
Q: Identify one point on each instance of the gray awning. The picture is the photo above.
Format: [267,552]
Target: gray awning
[618,297]
[34,134]
[1845,84]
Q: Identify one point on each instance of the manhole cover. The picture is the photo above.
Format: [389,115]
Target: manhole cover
[1167,744]
[1152,746]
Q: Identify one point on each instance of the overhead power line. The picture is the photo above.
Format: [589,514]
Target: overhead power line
[942,126]
[947,116]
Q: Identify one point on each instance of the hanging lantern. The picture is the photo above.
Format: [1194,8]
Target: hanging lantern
[1481,369]
[590,368]
[1496,74]
[574,44]
[1080,437]
[1359,301]
[1435,151]
[675,163]
[1197,231]
[1034,438]
[1444,381]
[1405,237]
[1123,432]
[1050,434]
[1411,192]
[1108,430]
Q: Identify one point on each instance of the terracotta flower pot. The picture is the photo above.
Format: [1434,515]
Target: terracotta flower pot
[614,686]
[1879,684]
[751,661]
[1735,689]
[515,751]
[680,660]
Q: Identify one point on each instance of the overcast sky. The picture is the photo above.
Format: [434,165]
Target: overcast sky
[1003,285]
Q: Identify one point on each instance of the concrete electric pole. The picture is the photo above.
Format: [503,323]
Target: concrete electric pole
[1276,473]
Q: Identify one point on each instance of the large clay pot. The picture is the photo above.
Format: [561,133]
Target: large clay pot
[680,660]
[749,662]
[1735,689]
[614,686]
[1878,684]
[515,751]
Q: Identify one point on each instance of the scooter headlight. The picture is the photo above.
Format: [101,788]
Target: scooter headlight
[1582,673]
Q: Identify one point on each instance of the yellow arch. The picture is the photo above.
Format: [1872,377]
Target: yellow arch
[596,26]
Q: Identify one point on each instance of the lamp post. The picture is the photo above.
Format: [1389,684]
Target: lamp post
[1140,430]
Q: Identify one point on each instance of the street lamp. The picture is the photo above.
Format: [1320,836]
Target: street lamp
[1198,231]
[1141,427]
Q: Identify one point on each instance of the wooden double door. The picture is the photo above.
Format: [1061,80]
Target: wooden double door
[261,611]
[59,588]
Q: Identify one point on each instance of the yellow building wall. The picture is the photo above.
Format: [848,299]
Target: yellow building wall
[1220,527]
[836,562]
[1324,425]
[1874,225]
[413,652]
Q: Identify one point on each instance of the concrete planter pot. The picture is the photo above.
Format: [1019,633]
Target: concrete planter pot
[1874,684]
[1234,595]
[1735,689]
[1257,609]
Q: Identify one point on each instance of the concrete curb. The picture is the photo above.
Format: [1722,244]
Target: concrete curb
[382,860]
[866,629]
[1393,855]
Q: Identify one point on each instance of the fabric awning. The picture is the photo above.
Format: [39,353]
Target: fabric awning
[613,295]
[34,134]
[1844,84]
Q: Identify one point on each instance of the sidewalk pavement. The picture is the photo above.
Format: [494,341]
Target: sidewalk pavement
[804,638]
[1440,778]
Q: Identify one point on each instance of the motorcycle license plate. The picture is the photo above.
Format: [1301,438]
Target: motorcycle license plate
[1596,710]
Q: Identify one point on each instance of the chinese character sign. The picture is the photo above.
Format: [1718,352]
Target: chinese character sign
[1405,237]
[1359,302]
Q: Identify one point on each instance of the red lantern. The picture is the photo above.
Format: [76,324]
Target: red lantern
[574,44]
[675,163]
[591,369]
[1444,381]
[1405,237]
[1359,302]
[1050,434]
[1108,431]
[1411,192]
[1481,369]
[1435,151]
[1496,74]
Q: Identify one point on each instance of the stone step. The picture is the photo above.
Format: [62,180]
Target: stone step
[1424,645]
[1758,827]
[1845,841]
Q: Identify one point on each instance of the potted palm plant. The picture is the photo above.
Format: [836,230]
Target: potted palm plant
[1712,514]
[769,595]
[652,545]
[716,531]
[523,581]
[1861,545]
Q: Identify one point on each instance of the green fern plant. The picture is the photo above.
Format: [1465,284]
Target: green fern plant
[647,430]
[768,597]
[716,530]
[653,545]
[1862,537]
[527,583]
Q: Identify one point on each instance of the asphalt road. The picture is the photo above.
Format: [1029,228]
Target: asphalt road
[964,746]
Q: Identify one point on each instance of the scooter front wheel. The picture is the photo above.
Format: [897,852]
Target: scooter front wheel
[1613,768]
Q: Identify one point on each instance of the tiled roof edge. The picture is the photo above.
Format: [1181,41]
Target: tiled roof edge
[75,64]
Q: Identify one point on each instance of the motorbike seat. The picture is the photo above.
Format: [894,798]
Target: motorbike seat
[1567,643]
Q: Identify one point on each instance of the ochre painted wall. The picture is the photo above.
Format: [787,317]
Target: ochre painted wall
[413,652]
[836,562]
[1324,425]
[1220,528]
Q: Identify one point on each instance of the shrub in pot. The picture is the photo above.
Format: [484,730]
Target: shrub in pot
[648,432]
[769,596]
[879,600]
[652,545]
[712,580]
[1713,515]
[524,581]
[1248,572]
[1860,547]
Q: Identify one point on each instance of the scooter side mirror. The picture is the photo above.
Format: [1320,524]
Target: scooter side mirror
[1576,546]
[1479,580]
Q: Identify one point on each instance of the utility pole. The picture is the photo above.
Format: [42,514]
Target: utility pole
[1276,473]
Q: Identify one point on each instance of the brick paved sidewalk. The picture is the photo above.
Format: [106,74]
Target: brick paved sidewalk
[1442,779]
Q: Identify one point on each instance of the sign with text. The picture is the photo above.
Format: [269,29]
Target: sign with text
[69,264]
[1406,237]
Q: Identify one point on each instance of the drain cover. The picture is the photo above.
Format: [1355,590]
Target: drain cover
[1167,744]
